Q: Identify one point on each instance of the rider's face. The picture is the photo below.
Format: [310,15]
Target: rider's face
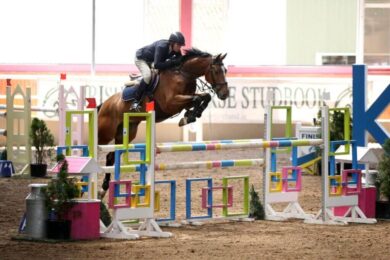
[176,47]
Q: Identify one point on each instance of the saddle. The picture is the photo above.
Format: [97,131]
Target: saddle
[131,87]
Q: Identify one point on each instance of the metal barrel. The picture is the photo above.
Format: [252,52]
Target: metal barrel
[36,212]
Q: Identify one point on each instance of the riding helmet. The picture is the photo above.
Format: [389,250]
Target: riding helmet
[177,37]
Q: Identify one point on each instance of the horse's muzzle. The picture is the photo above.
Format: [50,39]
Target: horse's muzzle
[223,92]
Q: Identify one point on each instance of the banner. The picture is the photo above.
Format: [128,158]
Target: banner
[248,98]
[246,103]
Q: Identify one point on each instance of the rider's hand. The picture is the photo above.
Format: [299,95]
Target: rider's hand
[176,62]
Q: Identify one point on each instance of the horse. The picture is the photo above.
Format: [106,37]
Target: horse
[176,91]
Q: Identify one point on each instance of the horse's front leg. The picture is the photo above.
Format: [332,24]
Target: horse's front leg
[189,102]
[200,103]
[205,100]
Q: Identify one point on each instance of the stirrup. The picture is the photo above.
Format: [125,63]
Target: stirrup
[135,106]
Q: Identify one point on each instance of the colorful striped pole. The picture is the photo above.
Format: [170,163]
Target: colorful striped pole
[210,164]
[190,147]
[191,165]
[225,146]
[111,147]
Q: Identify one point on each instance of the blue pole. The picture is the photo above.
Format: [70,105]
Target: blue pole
[359,75]
[188,199]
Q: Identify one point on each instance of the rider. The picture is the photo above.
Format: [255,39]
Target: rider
[163,54]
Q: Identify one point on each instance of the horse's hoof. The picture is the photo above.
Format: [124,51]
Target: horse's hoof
[183,121]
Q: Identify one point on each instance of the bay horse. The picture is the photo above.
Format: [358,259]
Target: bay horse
[176,91]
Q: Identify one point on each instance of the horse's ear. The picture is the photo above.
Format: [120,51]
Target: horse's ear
[223,56]
[218,57]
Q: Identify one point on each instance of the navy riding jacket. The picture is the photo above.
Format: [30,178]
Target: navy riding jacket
[159,54]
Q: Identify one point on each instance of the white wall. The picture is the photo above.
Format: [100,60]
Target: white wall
[252,32]
[45,31]
[256,33]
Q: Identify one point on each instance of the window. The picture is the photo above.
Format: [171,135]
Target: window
[377,32]
[335,58]
[46,31]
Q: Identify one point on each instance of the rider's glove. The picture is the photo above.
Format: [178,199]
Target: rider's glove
[175,62]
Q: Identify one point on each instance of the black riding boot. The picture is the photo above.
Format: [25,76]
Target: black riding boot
[139,97]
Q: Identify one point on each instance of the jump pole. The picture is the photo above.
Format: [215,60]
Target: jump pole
[206,146]
[192,165]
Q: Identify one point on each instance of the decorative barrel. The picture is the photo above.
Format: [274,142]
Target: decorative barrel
[36,213]
[85,219]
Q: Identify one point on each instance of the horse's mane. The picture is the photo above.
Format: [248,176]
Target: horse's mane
[193,53]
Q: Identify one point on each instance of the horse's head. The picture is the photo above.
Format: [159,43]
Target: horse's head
[197,63]
[216,76]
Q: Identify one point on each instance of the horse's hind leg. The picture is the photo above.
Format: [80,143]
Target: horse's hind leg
[199,108]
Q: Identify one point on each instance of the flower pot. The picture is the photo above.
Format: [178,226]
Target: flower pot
[58,229]
[38,170]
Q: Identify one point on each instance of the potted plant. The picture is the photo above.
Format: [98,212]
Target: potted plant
[41,137]
[383,183]
[59,194]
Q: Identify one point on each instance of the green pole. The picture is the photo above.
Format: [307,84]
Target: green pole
[288,129]
[347,130]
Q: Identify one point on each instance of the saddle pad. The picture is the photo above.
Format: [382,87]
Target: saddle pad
[130,93]
[153,86]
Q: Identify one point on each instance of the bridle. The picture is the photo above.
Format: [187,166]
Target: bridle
[214,86]
[203,85]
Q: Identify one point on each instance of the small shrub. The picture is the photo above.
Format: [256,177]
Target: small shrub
[41,137]
[256,209]
[60,191]
[383,180]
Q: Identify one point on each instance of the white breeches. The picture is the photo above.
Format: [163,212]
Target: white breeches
[144,69]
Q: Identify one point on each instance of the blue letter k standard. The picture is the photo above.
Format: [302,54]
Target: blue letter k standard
[365,119]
